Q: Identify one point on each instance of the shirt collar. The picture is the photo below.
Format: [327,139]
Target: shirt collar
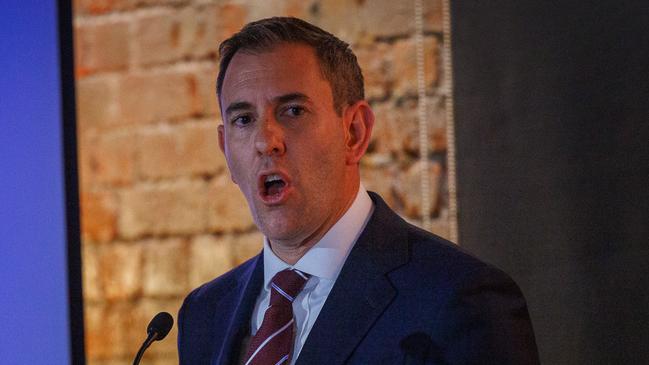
[326,258]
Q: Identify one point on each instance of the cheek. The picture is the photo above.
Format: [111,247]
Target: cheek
[327,162]
[233,165]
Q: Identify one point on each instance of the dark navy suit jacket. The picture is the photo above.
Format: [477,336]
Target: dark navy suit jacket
[397,281]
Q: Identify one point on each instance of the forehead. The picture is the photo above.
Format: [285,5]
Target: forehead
[285,68]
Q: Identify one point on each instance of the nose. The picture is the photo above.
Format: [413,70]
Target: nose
[270,137]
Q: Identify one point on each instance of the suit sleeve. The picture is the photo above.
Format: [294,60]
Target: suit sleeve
[486,321]
[193,332]
[182,346]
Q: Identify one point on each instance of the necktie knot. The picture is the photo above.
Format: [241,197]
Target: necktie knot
[286,285]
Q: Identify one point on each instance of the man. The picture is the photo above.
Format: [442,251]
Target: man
[341,279]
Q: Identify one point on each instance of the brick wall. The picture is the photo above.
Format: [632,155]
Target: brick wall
[159,213]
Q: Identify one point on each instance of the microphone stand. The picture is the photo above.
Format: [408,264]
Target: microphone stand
[145,345]
[158,329]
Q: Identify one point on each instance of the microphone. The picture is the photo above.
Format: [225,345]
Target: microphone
[158,328]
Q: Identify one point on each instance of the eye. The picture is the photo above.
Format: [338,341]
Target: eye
[241,120]
[294,111]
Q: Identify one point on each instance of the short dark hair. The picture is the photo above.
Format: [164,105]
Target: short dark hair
[338,63]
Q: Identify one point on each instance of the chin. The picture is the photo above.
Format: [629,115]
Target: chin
[279,233]
[275,229]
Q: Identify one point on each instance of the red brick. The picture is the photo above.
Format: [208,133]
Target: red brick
[120,274]
[300,8]
[391,69]
[246,246]
[175,34]
[404,65]
[162,2]
[101,6]
[96,102]
[92,290]
[98,345]
[375,18]
[380,179]
[396,130]
[228,210]
[85,142]
[167,359]
[434,15]
[385,18]
[165,271]
[101,47]
[105,362]
[209,257]
[168,208]
[129,328]
[115,332]
[155,96]
[206,79]
[338,17]
[108,158]
[158,38]
[408,189]
[187,149]
[229,19]
[201,31]
[109,330]
[99,216]
[375,68]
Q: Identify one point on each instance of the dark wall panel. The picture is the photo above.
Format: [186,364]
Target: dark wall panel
[552,128]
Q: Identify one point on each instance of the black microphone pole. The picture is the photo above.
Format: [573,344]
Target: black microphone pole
[158,328]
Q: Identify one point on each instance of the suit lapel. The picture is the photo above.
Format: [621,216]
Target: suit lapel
[361,292]
[243,301]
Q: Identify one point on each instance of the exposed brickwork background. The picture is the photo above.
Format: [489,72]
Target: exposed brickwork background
[159,213]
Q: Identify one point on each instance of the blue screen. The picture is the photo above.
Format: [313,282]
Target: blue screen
[33,298]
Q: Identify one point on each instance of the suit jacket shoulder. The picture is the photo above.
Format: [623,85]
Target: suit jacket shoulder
[400,281]
[481,316]
[213,316]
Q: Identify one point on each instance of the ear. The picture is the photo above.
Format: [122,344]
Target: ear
[221,138]
[359,120]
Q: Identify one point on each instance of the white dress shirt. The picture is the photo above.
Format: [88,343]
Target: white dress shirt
[323,262]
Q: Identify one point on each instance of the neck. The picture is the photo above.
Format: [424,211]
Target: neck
[292,251]
[290,255]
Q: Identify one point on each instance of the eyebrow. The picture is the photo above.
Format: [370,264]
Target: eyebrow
[236,106]
[291,97]
[244,105]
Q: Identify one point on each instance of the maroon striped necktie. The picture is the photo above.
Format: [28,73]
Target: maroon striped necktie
[273,342]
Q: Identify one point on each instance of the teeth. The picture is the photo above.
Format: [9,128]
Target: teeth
[273,177]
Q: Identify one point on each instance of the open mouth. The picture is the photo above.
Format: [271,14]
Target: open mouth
[274,184]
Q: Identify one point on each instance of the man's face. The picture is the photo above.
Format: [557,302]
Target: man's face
[284,143]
